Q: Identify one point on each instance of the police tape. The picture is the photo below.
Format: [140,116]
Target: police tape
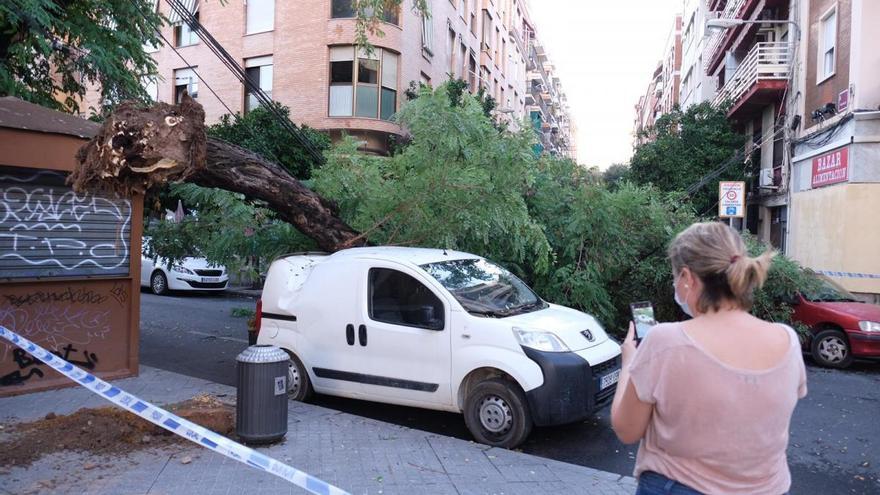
[175,424]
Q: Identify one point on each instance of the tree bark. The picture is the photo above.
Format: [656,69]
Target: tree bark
[138,149]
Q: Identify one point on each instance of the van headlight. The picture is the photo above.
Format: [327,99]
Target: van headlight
[540,341]
[869,326]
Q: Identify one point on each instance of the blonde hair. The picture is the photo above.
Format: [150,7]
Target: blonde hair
[716,254]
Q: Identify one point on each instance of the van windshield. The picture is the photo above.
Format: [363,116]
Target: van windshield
[484,288]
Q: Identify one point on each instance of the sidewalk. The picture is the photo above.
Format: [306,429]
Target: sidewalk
[360,455]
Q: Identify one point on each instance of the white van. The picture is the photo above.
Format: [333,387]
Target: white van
[436,329]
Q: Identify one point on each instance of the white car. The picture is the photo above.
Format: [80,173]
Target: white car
[436,329]
[191,273]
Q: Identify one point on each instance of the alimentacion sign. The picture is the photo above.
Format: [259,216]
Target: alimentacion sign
[831,168]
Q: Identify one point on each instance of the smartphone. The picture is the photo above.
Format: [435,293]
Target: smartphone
[643,317]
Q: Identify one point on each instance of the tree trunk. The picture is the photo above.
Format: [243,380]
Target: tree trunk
[138,149]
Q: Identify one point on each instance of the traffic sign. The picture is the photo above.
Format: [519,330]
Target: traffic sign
[731,199]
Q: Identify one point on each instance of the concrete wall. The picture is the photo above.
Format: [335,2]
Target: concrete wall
[837,228]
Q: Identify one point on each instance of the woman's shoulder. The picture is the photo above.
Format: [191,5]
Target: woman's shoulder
[664,336]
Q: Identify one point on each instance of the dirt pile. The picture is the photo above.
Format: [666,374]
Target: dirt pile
[108,431]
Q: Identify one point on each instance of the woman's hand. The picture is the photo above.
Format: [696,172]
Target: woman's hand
[628,348]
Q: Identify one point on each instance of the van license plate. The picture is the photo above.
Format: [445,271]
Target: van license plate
[208,280]
[609,379]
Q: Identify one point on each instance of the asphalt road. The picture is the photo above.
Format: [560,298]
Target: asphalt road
[835,433]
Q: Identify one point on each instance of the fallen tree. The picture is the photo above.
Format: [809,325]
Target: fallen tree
[138,149]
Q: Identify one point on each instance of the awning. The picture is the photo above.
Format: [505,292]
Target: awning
[191,6]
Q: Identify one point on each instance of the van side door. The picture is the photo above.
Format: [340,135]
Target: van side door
[405,333]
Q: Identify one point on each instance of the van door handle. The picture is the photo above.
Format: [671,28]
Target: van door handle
[362,335]
[349,334]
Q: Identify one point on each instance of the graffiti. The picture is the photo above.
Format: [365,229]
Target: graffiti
[28,363]
[23,360]
[50,227]
[82,296]
[120,293]
[55,325]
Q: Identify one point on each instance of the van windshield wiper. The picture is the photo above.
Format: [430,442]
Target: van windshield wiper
[490,313]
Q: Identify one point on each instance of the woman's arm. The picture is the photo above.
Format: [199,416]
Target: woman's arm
[629,415]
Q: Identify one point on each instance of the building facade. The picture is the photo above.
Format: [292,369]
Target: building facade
[696,86]
[664,89]
[303,55]
[834,226]
[750,66]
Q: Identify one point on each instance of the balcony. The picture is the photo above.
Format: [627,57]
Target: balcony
[722,41]
[760,79]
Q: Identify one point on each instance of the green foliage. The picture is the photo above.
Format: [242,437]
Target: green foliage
[51,50]
[260,132]
[243,313]
[684,147]
[459,183]
[615,174]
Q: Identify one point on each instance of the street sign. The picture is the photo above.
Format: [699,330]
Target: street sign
[731,199]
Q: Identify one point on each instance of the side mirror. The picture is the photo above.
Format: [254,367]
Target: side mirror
[427,315]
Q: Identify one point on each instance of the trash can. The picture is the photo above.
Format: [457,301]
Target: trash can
[261,408]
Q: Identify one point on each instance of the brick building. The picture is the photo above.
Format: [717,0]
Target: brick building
[664,89]
[303,54]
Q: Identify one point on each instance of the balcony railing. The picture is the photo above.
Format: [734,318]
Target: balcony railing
[765,62]
[731,11]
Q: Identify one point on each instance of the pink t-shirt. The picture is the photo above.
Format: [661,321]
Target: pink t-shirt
[715,428]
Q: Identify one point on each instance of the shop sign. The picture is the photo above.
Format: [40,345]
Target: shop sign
[831,167]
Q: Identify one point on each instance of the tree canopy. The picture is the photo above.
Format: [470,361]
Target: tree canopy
[685,146]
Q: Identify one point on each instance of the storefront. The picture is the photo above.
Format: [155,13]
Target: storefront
[834,225]
[69,262]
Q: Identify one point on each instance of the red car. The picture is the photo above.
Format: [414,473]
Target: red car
[842,328]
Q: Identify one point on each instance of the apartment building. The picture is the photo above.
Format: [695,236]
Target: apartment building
[546,101]
[834,226]
[663,91]
[303,55]
[696,86]
[750,65]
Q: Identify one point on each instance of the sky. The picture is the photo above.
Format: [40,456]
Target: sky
[605,53]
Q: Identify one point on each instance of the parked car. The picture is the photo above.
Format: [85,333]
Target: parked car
[842,328]
[190,273]
[436,329]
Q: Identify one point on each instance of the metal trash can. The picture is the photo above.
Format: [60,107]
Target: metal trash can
[261,408]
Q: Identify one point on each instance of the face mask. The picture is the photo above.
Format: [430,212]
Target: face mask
[683,305]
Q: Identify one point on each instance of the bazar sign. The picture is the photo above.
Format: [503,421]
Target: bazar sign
[831,168]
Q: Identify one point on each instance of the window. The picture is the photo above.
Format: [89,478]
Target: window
[183,35]
[462,8]
[450,50]
[399,299]
[366,87]
[487,32]
[428,32]
[185,80]
[151,86]
[260,16]
[827,59]
[347,9]
[463,55]
[472,73]
[259,70]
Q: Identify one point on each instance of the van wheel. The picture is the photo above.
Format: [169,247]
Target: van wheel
[159,283]
[830,348]
[497,414]
[298,386]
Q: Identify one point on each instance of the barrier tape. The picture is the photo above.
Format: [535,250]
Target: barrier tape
[175,424]
[847,274]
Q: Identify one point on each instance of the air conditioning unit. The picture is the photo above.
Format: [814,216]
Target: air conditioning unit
[765,178]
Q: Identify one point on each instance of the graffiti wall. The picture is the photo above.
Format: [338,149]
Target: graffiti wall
[65,279]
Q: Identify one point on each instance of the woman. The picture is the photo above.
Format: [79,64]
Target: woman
[711,398]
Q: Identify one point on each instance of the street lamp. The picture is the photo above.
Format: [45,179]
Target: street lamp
[727,23]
